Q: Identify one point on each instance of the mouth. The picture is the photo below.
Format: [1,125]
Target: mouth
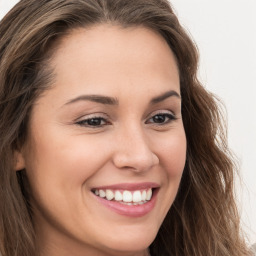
[127,199]
[137,197]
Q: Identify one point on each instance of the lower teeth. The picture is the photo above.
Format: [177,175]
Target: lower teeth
[140,203]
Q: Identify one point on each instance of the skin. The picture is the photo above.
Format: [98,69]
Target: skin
[65,158]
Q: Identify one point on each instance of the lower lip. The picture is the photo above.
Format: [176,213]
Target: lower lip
[130,210]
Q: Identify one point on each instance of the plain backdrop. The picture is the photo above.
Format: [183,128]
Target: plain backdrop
[225,33]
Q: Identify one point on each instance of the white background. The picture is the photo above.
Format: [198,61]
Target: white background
[225,32]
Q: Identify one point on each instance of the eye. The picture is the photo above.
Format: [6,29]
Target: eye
[161,118]
[93,122]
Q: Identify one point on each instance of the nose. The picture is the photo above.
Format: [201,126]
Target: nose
[133,151]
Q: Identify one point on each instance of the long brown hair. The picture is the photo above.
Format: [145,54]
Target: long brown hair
[203,219]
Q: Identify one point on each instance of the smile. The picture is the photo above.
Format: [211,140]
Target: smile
[131,200]
[137,197]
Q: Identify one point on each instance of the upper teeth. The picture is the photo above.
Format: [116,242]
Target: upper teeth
[126,196]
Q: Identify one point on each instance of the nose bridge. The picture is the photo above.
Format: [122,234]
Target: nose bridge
[133,149]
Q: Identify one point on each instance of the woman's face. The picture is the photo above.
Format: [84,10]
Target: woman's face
[106,134]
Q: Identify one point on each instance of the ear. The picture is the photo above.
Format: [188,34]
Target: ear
[19,161]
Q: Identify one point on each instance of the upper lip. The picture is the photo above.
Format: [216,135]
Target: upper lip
[130,186]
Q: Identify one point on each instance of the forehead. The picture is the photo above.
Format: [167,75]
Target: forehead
[105,57]
[113,39]
[108,44]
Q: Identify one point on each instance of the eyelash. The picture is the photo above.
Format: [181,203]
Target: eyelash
[170,117]
[100,119]
[95,118]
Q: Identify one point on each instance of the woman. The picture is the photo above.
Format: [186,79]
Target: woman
[109,144]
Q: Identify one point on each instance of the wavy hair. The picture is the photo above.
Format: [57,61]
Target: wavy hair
[203,219]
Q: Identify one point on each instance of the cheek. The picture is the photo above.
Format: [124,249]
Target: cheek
[173,154]
[59,160]
[58,168]
[172,157]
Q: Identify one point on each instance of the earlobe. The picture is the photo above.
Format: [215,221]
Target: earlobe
[19,163]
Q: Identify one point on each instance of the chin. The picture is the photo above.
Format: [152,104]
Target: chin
[131,241]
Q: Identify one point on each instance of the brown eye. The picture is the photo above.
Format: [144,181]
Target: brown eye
[93,122]
[162,118]
[159,118]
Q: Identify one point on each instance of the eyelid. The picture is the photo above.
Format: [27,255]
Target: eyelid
[167,113]
[158,112]
[93,115]
[84,121]
[81,121]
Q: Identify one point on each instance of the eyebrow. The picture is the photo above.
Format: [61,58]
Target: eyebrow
[106,100]
[95,98]
[164,96]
